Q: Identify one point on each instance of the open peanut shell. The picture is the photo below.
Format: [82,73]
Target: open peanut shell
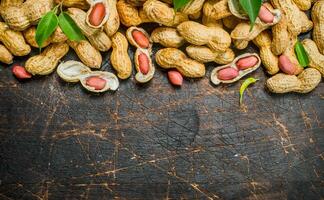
[237,10]
[241,73]
[130,36]
[140,76]
[93,4]
[73,71]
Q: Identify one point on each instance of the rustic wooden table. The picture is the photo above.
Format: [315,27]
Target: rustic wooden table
[154,141]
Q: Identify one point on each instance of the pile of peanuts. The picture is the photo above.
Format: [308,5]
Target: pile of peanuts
[208,31]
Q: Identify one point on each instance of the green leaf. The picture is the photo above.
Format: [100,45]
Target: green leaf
[301,54]
[46,27]
[244,85]
[69,27]
[178,4]
[252,8]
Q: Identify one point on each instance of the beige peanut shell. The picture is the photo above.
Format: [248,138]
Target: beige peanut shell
[316,59]
[216,9]
[140,77]
[231,22]
[193,7]
[136,3]
[119,58]
[82,4]
[129,35]
[113,21]
[303,83]
[129,15]
[281,36]
[167,37]
[208,21]
[318,19]
[5,56]
[174,58]
[46,62]
[57,37]
[303,4]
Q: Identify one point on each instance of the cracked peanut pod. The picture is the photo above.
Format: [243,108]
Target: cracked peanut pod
[316,59]
[113,23]
[143,65]
[174,58]
[162,13]
[303,83]
[57,37]
[129,15]
[13,40]
[216,9]
[195,33]
[5,56]
[242,30]
[46,62]
[88,55]
[193,7]
[303,4]
[98,13]
[241,66]
[297,20]
[97,37]
[82,4]
[167,37]
[231,22]
[119,57]
[139,38]
[269,60]
[318,19]
[204,54]
[280,36]
[21,16]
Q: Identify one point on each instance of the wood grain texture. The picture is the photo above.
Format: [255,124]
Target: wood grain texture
[58,141]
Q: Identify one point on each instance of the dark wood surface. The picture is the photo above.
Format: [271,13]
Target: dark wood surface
[154,141]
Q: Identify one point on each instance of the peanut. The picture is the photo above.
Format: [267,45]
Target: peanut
[21,16]
[89,55]
[13,40]
[216,9]
[303,4]
[231,22]
[280,36]
[318,19]
[82,4]
[247,62]
[141,39]
[119,57]
[46,62]
[97,14]
[297,20]
[316,59]
[228,73]
[174,58]
[144,66]
[5,56]
[20,72]
[96,82]
[286,65]
[288,61]
[204,54]
[162,13]
[195,16]
[193,7]
[113,23]
[210,22]
[175,77]
[57,37]
[269,60]
[265,15]
[303,83]
[129,15]
[138,37]
[215,38]
[143,63]
[167,37]
[136,3]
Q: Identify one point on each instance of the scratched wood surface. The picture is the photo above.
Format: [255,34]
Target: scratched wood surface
[154,141]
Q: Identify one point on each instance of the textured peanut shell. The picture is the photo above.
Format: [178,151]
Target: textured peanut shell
[100,41]
[204,54]
[316,59]
[297,20]
[193,7]
[82,4]
[214,79]
[119,57]
[281,36]
[11,2]
[216,9]
[128,14]
[46,62]
[136,3]
[131,40]
[304,83]
[318,19]
[195,16]
[303,4]
[174,58]
[79,17]
[214,37]
[168,37]
[269,60]
[89,55]
[162,13]
[57,37]
[113,22]
[143,78]
[231,22]
[240,44]
[13,40]
[107,12]
[208,21]
[5,56]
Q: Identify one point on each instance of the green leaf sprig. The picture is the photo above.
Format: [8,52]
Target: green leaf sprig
[178,4]
[252,8]
[244,85]
[50,21]
[301,54]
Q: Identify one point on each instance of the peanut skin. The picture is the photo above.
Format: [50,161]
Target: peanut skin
[5,56]
[175,77]
[119,57]
[318,19]
[316,59]
[174,58]
[97,14]
[20,72]
[144,65]
[46,62]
